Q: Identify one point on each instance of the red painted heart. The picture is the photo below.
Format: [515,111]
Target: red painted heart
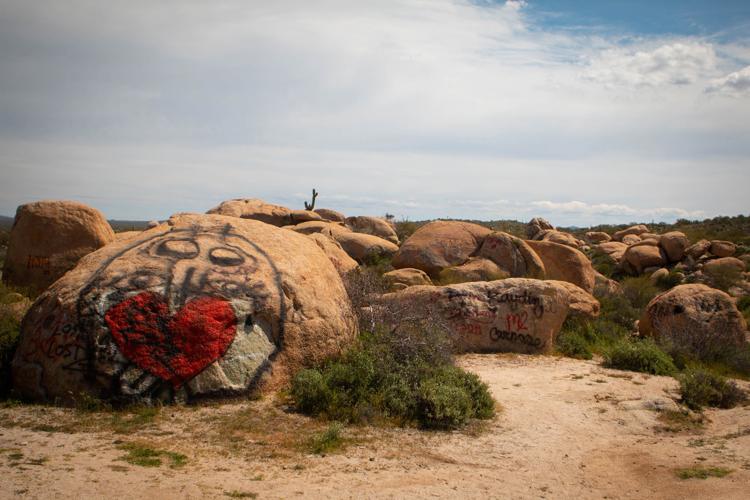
[175,348]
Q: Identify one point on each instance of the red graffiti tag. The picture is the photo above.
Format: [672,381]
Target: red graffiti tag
[173,348]
[517,322]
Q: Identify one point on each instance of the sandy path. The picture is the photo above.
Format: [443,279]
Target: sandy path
[568,429]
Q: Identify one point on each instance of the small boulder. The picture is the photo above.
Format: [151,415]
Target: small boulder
[642,256]
[723,248]
[696,318]
[330,215]
[374,226]
[440,244]
[512,255]
[399,279]
[474,269]
[302,216]
[674,244]
[564,263]
[604,286]
[595,237]
[48,239]
[637,230]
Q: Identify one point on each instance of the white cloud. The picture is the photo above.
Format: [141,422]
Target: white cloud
[621,212]
[679,63]
[737,83]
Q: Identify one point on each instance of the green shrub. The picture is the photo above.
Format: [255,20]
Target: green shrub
[701,388]
[639,291]
[618,309]
[328,440]
[407,376]
[573,344]
[671,280]
[640,356]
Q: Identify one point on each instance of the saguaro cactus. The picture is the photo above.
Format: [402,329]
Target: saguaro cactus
[311,206]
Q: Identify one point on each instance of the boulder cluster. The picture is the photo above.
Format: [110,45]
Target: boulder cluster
[245,295]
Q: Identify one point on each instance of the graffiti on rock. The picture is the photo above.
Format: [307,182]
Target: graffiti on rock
[197,298]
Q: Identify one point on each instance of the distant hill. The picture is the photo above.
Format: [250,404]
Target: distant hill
[6,222]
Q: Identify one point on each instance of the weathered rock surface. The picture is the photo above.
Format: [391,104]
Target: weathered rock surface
[637,230]
[723,248]
[338,257]
[203,305]
[512,315]
[695,317]
[374,226]
[642,256]
[406,277]
[330,215]
[48,238]
[440,244]
[604,286]
[674,244]
[126,235]
[474,269]
[564,263]
[595,237]
[512,255]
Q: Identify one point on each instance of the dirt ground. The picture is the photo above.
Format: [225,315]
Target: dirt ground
[566,429]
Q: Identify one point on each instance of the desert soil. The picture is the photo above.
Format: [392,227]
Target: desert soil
[566,429]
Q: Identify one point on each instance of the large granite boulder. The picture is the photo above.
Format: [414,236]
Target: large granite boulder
[612,249]
[48,238]
[696,318]
[722,248]
[512,255]
[595,237]
[204,305]
[564,263]
[440,244]
[511,315]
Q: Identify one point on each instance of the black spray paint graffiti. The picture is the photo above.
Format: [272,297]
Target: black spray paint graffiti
[521,338]
[139,322]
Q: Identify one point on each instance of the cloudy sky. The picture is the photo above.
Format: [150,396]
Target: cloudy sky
[580,111]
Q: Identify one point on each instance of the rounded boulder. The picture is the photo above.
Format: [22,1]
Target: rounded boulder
[48,238]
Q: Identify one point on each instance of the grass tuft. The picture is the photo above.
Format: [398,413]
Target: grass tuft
[700,472]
